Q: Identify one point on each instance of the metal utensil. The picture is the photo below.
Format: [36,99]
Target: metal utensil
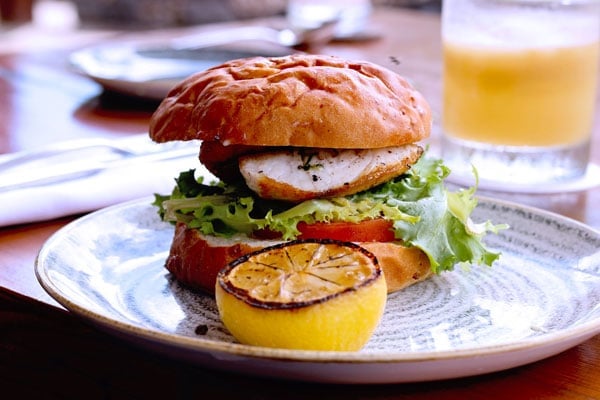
[154,68]
[287,37]
[79,159]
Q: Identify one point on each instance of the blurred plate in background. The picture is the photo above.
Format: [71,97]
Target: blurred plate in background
[151,71]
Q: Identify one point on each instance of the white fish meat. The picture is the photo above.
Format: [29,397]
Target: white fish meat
[301,174]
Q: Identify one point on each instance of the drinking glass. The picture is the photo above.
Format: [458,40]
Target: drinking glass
[520,81]
[352,15]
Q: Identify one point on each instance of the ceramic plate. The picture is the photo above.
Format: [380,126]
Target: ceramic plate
[149,72]
[541,298]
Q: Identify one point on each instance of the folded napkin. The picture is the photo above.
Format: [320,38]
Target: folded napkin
[111,185]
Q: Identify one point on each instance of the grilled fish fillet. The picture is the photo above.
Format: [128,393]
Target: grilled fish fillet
[301,174]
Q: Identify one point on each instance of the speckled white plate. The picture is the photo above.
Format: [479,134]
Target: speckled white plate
[541,298]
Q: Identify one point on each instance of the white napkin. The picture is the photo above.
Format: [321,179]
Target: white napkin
[110,186]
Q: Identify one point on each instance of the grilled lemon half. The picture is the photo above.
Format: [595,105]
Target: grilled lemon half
[304,294]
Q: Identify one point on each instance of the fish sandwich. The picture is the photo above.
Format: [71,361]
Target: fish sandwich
[311,146]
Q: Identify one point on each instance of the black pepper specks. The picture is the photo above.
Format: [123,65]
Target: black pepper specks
[201,330]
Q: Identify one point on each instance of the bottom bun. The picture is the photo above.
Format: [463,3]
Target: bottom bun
[195,259]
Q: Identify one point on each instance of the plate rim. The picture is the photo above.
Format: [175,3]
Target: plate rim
[151,89]
[576,334]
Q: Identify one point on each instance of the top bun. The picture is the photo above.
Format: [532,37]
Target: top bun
[297,100]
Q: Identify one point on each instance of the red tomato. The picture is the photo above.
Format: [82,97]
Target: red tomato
[371,230]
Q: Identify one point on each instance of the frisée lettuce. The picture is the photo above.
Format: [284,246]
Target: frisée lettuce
[424,213]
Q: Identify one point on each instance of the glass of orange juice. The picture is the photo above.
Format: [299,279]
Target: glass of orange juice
[520,82]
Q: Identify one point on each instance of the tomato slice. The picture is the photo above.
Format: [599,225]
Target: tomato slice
[371,230]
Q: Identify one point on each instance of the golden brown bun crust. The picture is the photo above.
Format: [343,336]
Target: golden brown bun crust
[298,100]
[195,260]
[195,263]
[401,265]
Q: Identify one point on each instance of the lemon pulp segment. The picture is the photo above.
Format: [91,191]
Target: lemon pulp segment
[310,294]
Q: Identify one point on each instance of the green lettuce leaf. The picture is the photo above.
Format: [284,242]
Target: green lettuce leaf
[423,212]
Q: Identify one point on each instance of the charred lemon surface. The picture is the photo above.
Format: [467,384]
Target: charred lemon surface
[305,294]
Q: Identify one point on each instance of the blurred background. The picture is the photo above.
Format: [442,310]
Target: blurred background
[153,13]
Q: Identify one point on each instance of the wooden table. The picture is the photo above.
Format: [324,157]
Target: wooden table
[47,352]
